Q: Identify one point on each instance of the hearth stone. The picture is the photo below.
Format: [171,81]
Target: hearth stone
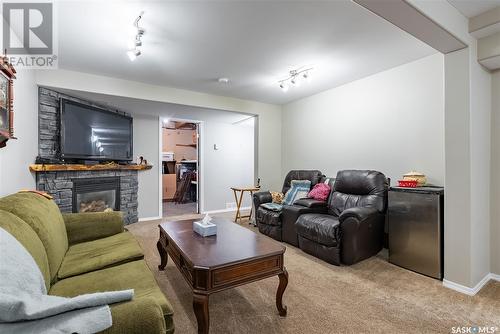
[60,186]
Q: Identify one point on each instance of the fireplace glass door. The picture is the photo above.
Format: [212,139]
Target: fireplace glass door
[96,195]
[96,201]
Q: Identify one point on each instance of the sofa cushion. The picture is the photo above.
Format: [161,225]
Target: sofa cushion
[128,317]
[268,217]
[44,217]
[272,206]
[353,188]
[98,254]
[312,175]
[320,228]
[28,238]
[299,189]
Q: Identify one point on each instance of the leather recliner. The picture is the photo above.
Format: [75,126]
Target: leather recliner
[270,222]
[353,228]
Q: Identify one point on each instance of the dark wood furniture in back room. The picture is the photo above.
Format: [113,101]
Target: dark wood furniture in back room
[233,257]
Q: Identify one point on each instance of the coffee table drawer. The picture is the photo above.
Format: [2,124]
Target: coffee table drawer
[242,272]
[180,262]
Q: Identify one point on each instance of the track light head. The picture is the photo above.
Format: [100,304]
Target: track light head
[284,86]
[132,54]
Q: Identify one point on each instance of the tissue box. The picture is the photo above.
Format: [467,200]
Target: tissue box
[205,230]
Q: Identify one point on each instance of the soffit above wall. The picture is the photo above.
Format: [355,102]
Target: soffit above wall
[408,18]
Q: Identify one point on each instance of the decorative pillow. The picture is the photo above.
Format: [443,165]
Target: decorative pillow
[272,206]
[320,192]
[298,189]
[277,197]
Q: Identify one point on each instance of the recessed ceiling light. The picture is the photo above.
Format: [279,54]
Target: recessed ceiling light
[224,80]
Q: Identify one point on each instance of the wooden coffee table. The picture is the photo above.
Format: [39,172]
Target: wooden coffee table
[235,256]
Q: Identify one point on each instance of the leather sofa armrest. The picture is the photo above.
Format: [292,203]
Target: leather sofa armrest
[82,227]
[359,213]
[261,197]
[310,203]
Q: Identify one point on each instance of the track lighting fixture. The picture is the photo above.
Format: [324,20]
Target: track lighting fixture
[132,54]
[133,46]
[294,78]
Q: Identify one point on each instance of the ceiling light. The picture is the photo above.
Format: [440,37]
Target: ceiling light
[132,54]
[133,44]
[307,76]
[294,77]
[284,87]
[133,51]
[223,80]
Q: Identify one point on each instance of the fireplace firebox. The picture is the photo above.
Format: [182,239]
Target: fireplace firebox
[96,194]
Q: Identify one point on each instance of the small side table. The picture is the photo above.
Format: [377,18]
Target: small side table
[239,199]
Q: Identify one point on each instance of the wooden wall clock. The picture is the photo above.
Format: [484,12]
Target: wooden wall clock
[7,76]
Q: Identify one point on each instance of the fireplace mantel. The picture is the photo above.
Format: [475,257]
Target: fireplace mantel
[34,168]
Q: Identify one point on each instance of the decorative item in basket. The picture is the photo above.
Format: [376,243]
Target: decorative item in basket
[416,176]
[407,183]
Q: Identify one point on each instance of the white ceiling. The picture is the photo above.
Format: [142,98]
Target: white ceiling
[190,44]
[471,8]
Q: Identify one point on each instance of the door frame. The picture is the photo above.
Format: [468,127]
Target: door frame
[199,166]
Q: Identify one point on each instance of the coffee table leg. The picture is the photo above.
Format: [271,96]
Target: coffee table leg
[279,294]
[163,255]
[200,306]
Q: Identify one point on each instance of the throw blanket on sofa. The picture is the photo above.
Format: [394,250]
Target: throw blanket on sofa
[25,306]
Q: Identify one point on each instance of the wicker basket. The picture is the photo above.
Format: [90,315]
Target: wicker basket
[416,176]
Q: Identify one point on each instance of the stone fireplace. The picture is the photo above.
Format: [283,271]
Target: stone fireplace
[111,188]
[97,190]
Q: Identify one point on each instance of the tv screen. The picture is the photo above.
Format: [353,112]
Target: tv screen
[90,133]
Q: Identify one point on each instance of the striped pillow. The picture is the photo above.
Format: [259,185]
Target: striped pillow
[298,189]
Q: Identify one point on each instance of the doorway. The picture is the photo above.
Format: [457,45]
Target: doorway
[180,167]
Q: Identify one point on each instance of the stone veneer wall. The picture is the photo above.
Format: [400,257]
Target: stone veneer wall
[60,184]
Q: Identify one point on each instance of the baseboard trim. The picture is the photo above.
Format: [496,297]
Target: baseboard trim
[474,290]
[146,219]
[226,210]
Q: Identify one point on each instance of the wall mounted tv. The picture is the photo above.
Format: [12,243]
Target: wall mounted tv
[90,133]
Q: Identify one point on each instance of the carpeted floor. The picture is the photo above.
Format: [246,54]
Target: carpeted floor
[370,297]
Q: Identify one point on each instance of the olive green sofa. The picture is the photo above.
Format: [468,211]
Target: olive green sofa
[85,253]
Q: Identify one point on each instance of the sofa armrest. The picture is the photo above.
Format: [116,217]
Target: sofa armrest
[151,320]
[82,227]
[261,197]
[310,203]
[359,213]
[362,231]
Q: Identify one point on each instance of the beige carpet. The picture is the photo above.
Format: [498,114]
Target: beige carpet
[370,297]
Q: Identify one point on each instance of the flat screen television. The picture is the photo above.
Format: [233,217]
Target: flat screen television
[90,133]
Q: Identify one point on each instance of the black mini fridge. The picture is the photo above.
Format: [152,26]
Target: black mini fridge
[415,227]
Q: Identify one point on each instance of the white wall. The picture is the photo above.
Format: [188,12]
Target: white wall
[231,165]
[392,121]
[495,175]
[467,195]
[147,144]
[19,154]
